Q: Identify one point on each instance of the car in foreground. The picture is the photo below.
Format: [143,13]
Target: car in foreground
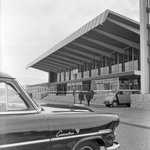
[119,97]
[25,125]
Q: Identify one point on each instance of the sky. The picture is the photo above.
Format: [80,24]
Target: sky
[29,28]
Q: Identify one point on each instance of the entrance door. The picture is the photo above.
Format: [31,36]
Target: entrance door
[86,86]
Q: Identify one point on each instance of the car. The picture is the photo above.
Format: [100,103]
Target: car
[26,125]
[119,97]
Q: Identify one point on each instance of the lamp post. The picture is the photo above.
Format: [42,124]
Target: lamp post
[75,72]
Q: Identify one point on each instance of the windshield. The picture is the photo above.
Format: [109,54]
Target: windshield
[31,100]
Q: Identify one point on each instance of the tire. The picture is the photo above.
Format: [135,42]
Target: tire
[128,105]
[107,105]
[88,145]
[114,104]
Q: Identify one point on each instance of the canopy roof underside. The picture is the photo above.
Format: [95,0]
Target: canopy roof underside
[105,34]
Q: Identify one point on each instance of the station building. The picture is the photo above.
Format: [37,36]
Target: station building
[103,55]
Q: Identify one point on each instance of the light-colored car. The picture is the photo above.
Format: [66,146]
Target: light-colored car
[120,97]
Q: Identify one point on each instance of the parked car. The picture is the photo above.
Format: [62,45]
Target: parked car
[25,125]
[120,97]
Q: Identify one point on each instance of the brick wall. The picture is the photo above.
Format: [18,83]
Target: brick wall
[140,101]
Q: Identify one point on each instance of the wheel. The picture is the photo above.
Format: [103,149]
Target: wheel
[128,105]
[88,145]
[107,105]
[114,104]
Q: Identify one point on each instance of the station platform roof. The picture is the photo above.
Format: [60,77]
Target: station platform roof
[107,33]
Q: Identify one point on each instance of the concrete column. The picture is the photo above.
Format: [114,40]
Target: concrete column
[144,49]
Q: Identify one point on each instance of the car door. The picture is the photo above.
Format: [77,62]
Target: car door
[127,97]
[21,126]
[120,97]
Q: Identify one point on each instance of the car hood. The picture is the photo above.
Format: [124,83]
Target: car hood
[61,108]
[109,97]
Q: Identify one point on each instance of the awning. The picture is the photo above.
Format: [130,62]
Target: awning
[105,34]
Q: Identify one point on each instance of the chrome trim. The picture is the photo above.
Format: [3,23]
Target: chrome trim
[24,143]
[81,135]
[12,112]
[14,86]
[115,146]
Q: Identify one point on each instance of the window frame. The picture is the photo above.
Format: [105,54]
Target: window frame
[7,111]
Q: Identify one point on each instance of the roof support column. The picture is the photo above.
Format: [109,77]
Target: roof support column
[52,77]
[144,49]
[110,70]
[90,69]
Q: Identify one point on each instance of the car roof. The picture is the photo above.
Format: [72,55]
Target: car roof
[5,75]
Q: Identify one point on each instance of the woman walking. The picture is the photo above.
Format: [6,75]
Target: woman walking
[81,97]
[88,97]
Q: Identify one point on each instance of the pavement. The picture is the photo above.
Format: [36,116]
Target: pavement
[130,116]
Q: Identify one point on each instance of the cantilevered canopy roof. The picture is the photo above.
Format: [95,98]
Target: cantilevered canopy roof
[107,33]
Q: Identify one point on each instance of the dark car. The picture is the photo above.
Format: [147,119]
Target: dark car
[24,125]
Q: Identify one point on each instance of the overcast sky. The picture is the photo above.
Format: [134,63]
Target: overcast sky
[31,27]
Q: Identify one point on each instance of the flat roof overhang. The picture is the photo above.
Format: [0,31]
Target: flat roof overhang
[128,74]
[100,77]
[105,34]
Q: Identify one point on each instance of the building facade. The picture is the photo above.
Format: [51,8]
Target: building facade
[109,53]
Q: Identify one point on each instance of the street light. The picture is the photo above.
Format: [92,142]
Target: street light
[75,72]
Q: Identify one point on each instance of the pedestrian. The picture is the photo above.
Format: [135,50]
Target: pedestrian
[92,94]
[88,97]
[81,97]
[30,95]
[73,92]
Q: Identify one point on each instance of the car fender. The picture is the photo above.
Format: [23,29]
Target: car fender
[88,139]
[115,100]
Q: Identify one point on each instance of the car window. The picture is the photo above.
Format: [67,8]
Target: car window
[120,93]
[10,99]
[2,97]
[127,92]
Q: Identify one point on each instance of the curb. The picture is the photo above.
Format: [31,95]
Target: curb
[135,125]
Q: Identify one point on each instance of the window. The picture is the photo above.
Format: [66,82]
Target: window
[120,93]
[120,58]
[96,64]
[2,97]
[101,62]
[106,84]
[85,66]
[136,54]
[112,58]
[10,99]
[108,61]
[104,61]
[93,63]
[130,54]
[126,55]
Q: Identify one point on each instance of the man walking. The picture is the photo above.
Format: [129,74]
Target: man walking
[92,94]
[81,97]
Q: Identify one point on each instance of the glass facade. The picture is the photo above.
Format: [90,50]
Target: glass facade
[117,63]
[105,84]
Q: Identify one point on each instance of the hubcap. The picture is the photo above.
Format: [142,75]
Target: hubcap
[114,104]
[86,148]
